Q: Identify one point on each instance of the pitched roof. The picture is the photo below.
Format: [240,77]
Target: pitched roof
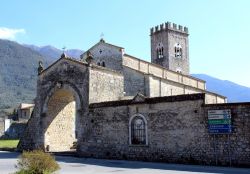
[63,57]
[139,98]
[103,42]
[26,106]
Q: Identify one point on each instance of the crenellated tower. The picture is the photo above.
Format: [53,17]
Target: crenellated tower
[169,47]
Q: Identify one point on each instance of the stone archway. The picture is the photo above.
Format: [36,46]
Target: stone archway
[61,120]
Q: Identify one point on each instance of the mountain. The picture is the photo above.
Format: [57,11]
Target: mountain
[51,53]
[234,92]
[18,74]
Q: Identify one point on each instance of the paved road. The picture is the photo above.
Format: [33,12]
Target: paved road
[71,165]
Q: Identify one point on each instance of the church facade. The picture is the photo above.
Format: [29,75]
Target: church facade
[113,105]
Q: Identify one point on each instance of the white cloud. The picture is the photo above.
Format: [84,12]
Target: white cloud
[10,33]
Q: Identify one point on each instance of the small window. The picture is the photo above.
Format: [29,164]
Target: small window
[138,130]
[98,64]
[160,53]
[103,64]
[178,50]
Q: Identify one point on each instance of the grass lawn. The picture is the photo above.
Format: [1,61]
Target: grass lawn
[8,143]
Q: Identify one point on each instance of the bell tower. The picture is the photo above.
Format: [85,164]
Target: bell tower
[169,47]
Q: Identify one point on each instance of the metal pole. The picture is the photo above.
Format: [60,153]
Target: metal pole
[215,151]
[229,149]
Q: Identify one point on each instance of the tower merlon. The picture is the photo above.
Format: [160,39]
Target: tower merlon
[168,26]
[156,28]
[161,26]
[152,30]
[186,29]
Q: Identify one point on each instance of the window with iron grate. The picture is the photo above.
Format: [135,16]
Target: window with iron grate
[138,131]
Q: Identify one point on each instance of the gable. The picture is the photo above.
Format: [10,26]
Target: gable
[63,64]
[103,49]
[139,98]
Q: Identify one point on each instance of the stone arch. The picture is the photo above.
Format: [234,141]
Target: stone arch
[61,117]
[67,86]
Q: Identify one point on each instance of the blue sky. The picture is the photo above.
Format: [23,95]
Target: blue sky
[219,29]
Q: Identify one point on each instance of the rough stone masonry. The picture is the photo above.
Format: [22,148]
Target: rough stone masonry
[113,105]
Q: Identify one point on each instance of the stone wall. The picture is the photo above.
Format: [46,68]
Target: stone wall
[175,126]
[177,129]
[1,126]
[214,98]
[105,85]
[163,87]
[108,54]
[61,120]
[158,71]
[233,148]
[134,82]
[154,86]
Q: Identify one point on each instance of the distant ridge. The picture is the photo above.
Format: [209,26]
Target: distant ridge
[233,91]
[51,53]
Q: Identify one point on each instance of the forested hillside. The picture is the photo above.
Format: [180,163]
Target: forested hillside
[18,74]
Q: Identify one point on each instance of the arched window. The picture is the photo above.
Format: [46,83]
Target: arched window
[138,130]
[178,50]
[103,64]
[98,64]
[159,51]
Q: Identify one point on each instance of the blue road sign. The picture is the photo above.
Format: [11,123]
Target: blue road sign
[219,126]
[220,131]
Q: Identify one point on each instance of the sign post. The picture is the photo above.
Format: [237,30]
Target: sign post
[219,121]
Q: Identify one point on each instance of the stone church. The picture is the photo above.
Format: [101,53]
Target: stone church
[110,104]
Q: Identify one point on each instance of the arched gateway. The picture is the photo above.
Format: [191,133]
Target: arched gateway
[61,106]
[60,122]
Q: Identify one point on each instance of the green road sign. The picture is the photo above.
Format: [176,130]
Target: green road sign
[220,121]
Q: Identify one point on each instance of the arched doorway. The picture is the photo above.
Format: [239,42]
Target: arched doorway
[60,121]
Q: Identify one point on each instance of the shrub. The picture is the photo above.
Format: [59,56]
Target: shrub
[36,162]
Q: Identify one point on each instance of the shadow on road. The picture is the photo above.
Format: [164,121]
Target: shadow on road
[8,155]
[150,165]
[118,165]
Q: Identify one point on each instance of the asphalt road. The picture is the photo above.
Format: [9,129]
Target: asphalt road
[72,165]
